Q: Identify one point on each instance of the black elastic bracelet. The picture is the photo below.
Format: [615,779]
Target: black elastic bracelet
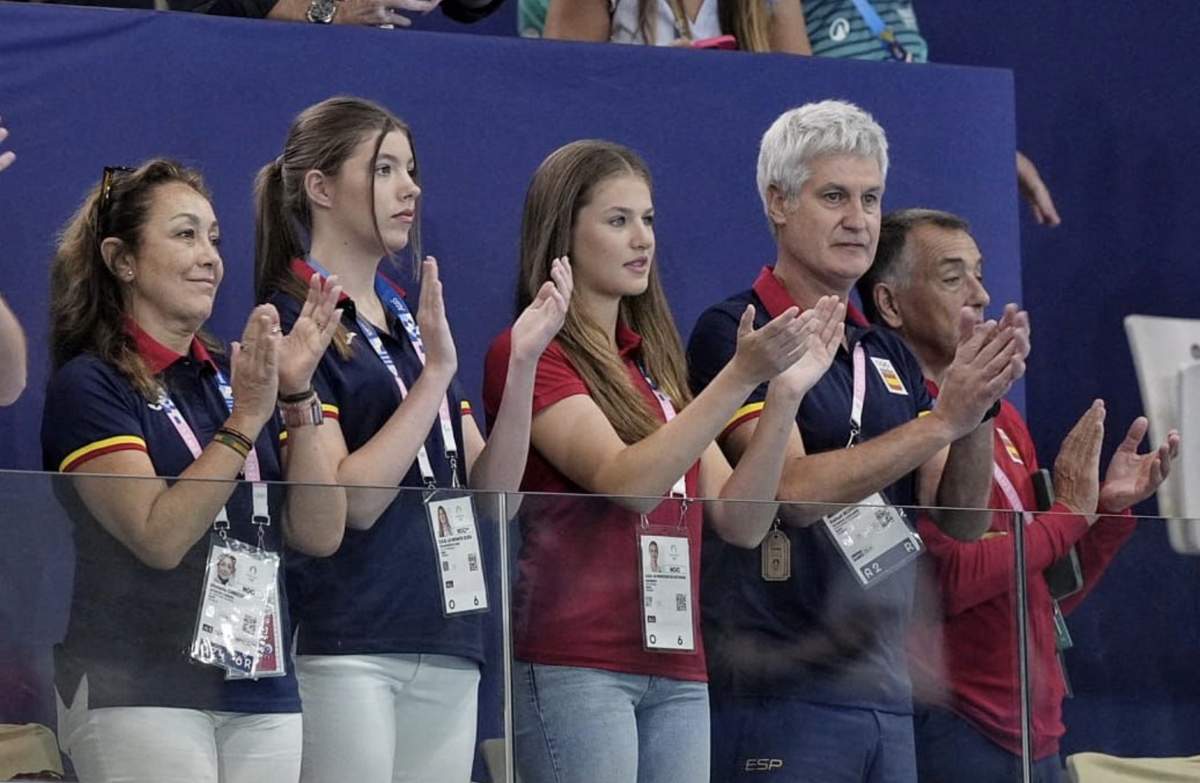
[992,413]
[290,399]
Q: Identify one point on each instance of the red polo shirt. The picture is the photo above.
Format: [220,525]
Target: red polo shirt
[970,650]
[577,600]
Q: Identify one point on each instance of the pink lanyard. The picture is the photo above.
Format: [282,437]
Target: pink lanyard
[860,394]
[668,408]
[262,515]
[1010,492]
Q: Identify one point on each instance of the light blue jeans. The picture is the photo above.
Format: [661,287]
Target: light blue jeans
[576,725]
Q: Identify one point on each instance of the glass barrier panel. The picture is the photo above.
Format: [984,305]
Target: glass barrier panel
[141,623]
[1121,699]
[699,639]
[716,640]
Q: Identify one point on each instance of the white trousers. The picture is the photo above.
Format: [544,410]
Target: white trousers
[388,718]
[169,745]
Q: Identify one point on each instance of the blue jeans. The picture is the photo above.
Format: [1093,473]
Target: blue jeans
[785,740]
[949,750]
[576,725]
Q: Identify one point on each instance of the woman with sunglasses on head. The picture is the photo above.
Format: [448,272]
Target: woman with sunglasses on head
[389,649]
[602,693]
[166,672]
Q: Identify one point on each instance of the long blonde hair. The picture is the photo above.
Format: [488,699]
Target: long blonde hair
[322,137]
[561,186]
[87,303]
[749,21]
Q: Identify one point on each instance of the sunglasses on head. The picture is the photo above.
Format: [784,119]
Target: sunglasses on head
[106,185]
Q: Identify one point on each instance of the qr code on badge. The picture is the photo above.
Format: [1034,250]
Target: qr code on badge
[681,602]
[472,563]
[250,626]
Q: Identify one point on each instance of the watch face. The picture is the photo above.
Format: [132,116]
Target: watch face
[321,11]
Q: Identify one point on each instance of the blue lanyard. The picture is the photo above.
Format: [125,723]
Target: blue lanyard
[881,31]
[399,309]
[396,305]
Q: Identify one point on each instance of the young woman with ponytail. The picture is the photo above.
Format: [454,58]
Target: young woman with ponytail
[388,662]
[597,696]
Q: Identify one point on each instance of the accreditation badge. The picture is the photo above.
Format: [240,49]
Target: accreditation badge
[270,650]
[874,539]
[240,582]
[456,544]
[668,616]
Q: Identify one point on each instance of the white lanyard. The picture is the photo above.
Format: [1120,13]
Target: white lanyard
[679,489]
[252,471]
[860,394]
[399,309]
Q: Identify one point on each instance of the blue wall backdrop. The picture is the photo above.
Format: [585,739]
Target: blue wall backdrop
[1105,104]
[85,88]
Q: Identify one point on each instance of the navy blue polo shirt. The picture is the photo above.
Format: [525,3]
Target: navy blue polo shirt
[131,625]
[819,636]
[380,592]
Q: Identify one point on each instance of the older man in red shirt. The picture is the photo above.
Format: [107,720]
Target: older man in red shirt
[927,269]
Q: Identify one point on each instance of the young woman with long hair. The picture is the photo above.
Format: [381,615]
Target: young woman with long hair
[602,692]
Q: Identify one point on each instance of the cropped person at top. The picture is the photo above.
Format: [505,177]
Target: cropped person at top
[887,30]
[755,25]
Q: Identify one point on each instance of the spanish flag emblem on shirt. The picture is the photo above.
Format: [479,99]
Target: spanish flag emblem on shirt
[891,378]
[1013,454]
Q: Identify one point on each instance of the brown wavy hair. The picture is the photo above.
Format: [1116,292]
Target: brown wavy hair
[322,137]
[562,185]
[88,304]
[749,21]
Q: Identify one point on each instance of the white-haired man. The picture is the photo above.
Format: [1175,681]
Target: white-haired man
[809,678]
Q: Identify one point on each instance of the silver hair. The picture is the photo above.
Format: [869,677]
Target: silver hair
[801,135]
